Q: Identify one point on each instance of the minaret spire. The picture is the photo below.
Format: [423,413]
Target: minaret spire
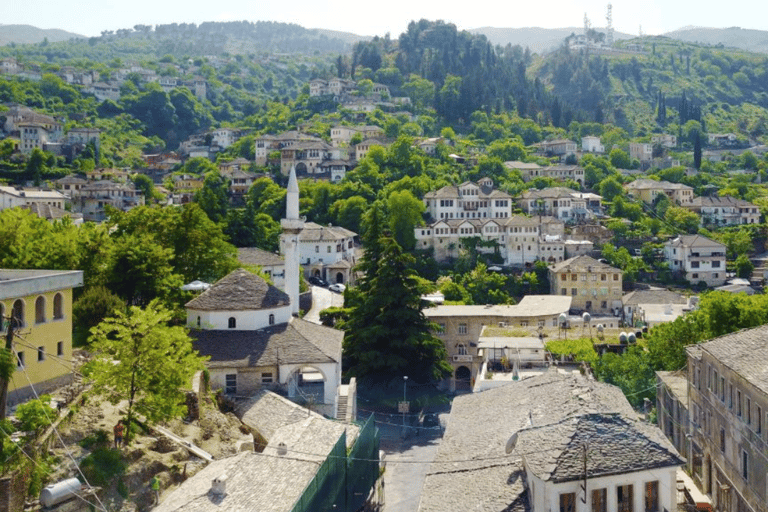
[292,226]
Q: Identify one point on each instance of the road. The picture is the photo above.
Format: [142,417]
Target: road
[322,298]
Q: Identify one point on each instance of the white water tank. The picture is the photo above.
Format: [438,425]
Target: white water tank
[62,491]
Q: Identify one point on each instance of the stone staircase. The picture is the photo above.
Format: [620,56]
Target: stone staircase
[341,413]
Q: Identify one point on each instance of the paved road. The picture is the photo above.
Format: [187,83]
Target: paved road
[408,461]
[322,298]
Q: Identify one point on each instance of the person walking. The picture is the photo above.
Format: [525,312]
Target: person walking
[118,431]
[155,485]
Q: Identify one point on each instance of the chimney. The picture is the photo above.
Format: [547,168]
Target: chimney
[219,485]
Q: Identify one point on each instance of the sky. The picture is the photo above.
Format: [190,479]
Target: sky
[91,17]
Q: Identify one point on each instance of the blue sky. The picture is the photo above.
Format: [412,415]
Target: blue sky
[90,17]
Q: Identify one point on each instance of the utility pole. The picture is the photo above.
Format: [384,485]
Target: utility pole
[7,366]
[405,400]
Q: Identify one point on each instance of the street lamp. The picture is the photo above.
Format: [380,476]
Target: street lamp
[405,401]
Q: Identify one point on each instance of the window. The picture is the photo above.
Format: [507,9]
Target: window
[749,411]
[624,498]
[266,378]
[568,502]
[615,277]
[317,248]
[40,310]
[60,348]
[20,360]
[271,319]
[462,328]
[738,403]
[745,465]
[58,306]
[722,389]
[716,264]
[694,264]
[759,417]
[652,496]
[730,396]
[563,291]
[230,384]
[599,500]
[604,304]
[329,250]
[461,349]
[722,440]
[232,322]
[574,291]
[41,354]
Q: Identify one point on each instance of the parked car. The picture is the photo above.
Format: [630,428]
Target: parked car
[318,281]
[337,287]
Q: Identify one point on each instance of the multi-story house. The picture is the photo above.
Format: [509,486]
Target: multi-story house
[92,199]
[724,211]
[641,151]
[728,424]
[328,252]
[559,147]
[592,144]
[665,140]
[722,140]
[11,197]
[341,135]
[594,287]
[460,327]
[83,136]
[306,157]
[647,190]
[104,90]
[39,303]
[362,148]
[469,201]
[531,171]
[697,258]
[562,203]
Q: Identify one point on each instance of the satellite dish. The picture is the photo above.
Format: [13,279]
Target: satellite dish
[511,443]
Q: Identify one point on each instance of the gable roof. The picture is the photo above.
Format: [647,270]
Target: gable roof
[296,342]
[653,297]
[239,291]
[260,257]
[582,263]
[614,445]
[313,232]
[693,241]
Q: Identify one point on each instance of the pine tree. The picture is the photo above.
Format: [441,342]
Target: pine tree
[697,151]
[387,332]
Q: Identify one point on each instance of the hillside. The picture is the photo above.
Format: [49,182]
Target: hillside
[27,34]
[539,40]
[734,37]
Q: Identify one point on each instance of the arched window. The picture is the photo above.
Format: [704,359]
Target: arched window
[17,313]
[461,349]
[232,322]
[58,306]
[40,310]
[271,319]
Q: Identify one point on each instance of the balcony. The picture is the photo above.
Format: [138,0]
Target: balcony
[466,358]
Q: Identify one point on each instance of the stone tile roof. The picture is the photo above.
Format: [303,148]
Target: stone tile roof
[471,469]
[315,233]
[296,342]
[239,291]
[677,382]
[530,306]
[50,212]
[722,202]
[581,264]
[548,193]
[615,445]
[260,257]
[693,241]
[653,297]
[741,352]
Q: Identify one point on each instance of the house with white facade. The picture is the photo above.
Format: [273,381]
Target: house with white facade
[558,147]
[342,135]
[641,151]
[562,203]
[11,197]
[647,190]
[697,258]
[524,447]
[724,211]
[469,201]
[92,199]
[665,140]
[592,144]
[272,264]
[327,252]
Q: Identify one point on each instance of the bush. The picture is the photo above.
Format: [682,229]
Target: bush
[103,465]
[35,414]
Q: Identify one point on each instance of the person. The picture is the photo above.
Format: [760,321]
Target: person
[118,431]
[155,485]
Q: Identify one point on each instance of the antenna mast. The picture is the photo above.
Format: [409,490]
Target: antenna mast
[586,24]
[609,26]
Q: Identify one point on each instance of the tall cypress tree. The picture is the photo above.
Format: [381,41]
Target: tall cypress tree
[697,151]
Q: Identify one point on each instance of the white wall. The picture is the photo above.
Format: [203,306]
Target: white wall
[244,320]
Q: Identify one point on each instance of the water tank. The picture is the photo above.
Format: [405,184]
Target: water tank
[631,338]
[623,338]
[586,317]
[600,328]
[62,491]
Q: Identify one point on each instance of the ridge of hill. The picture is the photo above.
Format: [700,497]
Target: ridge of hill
[736,37]
[26,34]
[540,40]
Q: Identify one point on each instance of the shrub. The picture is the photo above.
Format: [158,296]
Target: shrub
[103,465]
[35,414]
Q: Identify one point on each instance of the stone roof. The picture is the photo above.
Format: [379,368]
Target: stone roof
[548,193]
[693,241]
[296,342]
[452,192]
[471,470]
[260,257]
[316,233]
[740,352]
[582,263]
[721,202]
[677,383]
[50,212]
[653,297]
[530,306]
[645,183]
[239,291]
[615,445]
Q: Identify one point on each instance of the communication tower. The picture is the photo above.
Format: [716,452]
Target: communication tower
[587,25]
[609,26]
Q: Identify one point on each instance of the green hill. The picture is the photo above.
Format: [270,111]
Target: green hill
[26,34]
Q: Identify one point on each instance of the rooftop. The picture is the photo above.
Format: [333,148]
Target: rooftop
[530,306]
[582,263]
[239,291]
[20,283]
[260,257]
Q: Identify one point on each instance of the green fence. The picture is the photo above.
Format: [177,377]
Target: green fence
[344,481]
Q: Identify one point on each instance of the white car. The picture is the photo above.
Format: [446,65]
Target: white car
[337,287]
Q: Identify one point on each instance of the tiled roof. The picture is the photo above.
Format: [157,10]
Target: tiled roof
[550,192]
[530,306]
[693,241]
[653,297]
[742,352]
[260,257]
[239,291]
[677,383]
[722,202]
[614,445]
[471,470]
[316,233]
[296,342]
[582,263]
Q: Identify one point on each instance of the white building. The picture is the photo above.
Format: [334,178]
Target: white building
[698,258]
[11,197]
[641,151]
[327,251]
[469,201]
[562,203]
[592,144]
[724,211]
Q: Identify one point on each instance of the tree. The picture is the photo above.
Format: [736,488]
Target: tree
[405,212]
[387,332]
[213,198]
[140,358]
[145,185]
[682,218]
[93,306]
[697,151]
[620,159]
